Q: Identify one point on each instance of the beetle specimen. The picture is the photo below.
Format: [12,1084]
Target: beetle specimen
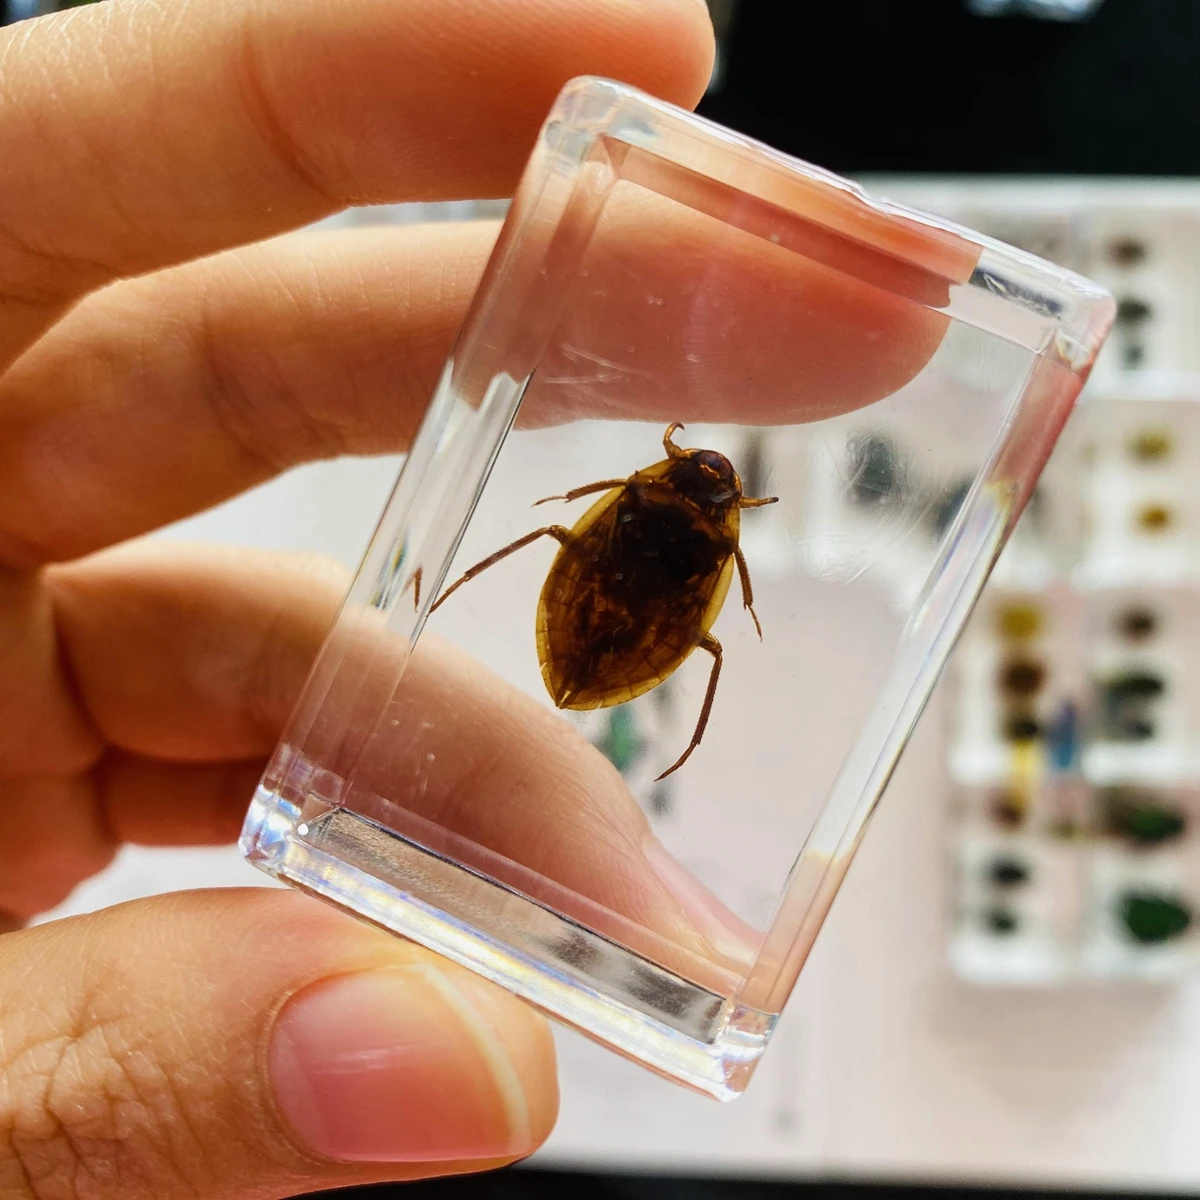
[1008,872]
[1137,624]
[1154,518]
[639,581]
[1151,918]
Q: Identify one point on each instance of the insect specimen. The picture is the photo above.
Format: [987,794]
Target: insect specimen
[1154,518]
[1008,808]
[1127,252]
[1008,872]
[1150,445]
[1142,818]
[1019,621]
[1001,921]
[1062,738]
[1021,677]
[639,580]
[1137,624]
[1132,315]
[1125,705]
[1020,727]
[1152,918]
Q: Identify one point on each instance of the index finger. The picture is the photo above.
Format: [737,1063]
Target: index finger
[136,135]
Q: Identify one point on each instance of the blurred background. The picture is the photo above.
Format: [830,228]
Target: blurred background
[1005,994]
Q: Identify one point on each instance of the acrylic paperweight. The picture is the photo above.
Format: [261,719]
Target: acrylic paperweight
[703,389]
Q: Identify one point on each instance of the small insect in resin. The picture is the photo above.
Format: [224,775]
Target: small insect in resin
[639,581]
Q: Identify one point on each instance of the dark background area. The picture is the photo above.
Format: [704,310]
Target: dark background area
[520,1184]
[926,86]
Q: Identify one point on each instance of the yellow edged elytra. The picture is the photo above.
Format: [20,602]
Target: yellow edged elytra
[639,581]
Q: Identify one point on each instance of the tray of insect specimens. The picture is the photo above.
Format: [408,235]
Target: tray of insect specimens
[1141,240]
[1076,746]
[1076,719]
[718,466]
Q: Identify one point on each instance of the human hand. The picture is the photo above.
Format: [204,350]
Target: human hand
[254,1043]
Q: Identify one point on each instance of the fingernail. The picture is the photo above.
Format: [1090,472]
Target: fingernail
[399,1065]
[723,929]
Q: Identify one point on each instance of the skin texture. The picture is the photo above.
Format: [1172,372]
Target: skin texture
[166,341]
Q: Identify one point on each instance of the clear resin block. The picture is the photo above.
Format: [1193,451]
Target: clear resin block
[674,321]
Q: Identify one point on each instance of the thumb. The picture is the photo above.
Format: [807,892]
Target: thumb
[248,1044]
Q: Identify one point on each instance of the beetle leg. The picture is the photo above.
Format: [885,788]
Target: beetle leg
[747,589]
[605,485]
[417,574]
[561,532]
[673,451]
[753,502]
[709,643]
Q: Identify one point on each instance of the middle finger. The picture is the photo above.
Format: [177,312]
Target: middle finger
[220,373]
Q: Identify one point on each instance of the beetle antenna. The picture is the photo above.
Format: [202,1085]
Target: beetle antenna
[673,451]
[752,502]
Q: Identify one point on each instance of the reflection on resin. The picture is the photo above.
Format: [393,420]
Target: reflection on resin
[946,509]
[878,472]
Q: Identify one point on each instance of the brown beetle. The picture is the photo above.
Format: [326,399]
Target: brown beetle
[639,581]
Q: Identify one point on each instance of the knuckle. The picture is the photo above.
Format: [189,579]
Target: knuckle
[270,117]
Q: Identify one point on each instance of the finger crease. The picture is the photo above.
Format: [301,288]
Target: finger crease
[49,277]
[274,130]
[229,403]
[266,421]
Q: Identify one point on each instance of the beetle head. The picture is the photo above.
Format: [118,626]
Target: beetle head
[707,479]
